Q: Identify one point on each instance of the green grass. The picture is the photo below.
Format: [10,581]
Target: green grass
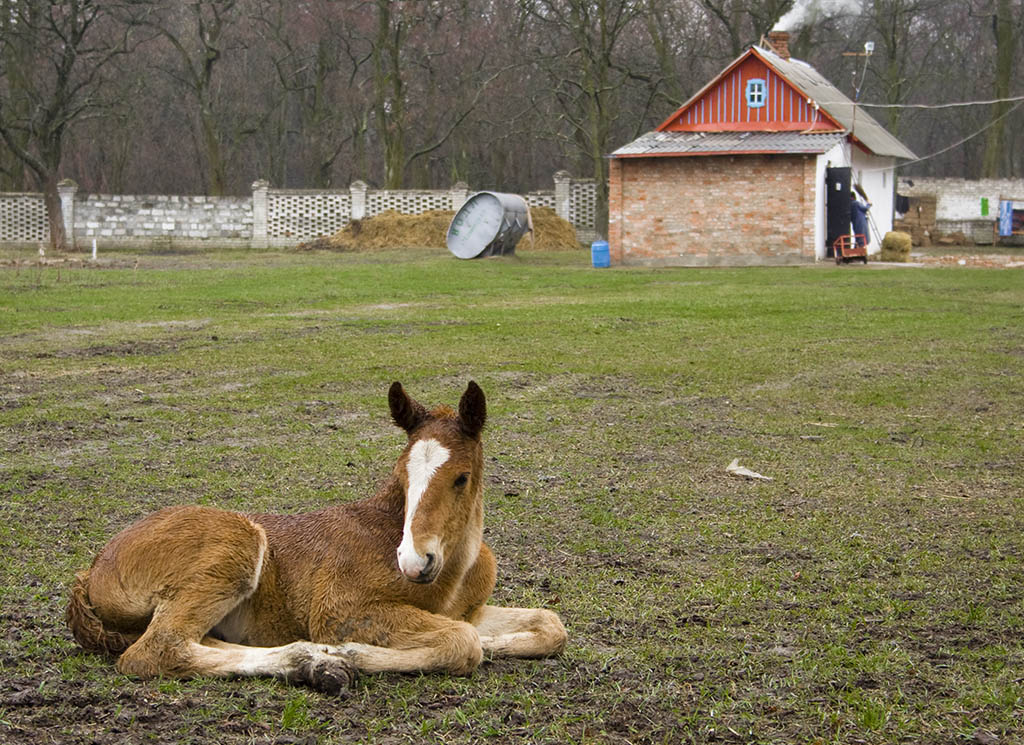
[873,591]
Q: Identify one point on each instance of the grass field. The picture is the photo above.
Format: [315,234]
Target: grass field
[872,592]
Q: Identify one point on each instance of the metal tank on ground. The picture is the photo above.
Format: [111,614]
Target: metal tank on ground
[490,223]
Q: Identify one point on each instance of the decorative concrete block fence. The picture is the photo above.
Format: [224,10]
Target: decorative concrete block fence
[23,218]
[276,218]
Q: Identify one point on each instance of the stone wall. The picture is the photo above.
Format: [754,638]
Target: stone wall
[712,210]
[182,221]
[919,220]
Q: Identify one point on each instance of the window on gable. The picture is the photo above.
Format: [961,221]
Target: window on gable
[756,93]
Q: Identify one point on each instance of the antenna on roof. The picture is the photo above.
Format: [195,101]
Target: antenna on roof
[869,48]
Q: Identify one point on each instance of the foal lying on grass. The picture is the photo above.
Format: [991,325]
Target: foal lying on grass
[396,582]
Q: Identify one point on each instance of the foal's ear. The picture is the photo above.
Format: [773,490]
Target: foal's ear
[405,411]
[472,410]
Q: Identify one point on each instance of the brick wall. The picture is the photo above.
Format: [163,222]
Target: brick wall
[712,210]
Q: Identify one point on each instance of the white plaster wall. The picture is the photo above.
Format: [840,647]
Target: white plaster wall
[959,199]
[875,175]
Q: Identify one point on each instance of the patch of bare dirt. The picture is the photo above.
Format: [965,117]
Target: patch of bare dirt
[985,261]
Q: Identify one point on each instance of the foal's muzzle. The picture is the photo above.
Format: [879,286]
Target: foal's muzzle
[429,571]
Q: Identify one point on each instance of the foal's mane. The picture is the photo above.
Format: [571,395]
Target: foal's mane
[443,412]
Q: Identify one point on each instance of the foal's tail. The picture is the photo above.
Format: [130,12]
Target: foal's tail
[86,626]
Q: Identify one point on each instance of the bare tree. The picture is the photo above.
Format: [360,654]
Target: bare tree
[1003,27]
[745,21]
[907,38]
[197,31]
[315,62]
[424,92]
[55,55]
[430,70]
[587,73]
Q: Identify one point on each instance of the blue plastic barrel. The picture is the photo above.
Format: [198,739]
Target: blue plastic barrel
[599,254]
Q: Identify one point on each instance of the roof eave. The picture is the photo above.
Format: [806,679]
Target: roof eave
[699,153]
[907,153]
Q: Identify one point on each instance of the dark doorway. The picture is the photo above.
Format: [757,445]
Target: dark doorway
[837,206]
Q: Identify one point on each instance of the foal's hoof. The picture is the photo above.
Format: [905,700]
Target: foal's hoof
[333,676]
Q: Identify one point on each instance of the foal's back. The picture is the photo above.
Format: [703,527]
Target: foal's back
[323,564]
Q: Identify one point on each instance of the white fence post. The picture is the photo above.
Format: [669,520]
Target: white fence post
[459,194]
[260,238]
[358,191]
[563,189]
[66,190]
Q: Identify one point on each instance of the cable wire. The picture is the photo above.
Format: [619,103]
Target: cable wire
[957,104]
[956,144]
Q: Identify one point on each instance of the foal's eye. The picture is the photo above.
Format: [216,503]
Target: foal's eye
[462,479]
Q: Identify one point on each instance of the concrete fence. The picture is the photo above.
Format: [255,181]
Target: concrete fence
[270,218]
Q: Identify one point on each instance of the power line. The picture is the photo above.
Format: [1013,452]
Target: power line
[1014,99]
[959,142]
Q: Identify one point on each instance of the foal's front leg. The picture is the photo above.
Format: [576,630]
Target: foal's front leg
[519,632]
[316,665]
[405,639]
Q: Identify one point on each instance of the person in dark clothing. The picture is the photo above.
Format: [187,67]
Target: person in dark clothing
[859,217]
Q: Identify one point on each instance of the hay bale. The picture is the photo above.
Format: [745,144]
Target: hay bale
[430,230]
[896,246]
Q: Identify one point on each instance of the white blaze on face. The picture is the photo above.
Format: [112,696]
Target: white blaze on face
[425,457]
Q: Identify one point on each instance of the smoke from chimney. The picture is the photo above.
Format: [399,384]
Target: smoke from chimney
[807,12]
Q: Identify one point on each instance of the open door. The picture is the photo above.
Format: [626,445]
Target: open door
[837,206]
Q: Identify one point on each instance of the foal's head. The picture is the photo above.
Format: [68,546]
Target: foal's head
[441,472]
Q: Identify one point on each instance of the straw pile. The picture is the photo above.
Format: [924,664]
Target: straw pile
[550,232]
[429,230]
[896,246]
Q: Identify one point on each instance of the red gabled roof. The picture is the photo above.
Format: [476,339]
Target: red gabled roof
[721,105]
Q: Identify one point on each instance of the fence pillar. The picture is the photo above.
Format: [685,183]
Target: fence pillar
[358,191]
[66,190]
[459,193]
[260,237]
[563,189]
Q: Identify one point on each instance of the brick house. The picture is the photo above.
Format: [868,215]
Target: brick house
[743,172]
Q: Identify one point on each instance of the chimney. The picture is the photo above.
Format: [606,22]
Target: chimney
[779,43]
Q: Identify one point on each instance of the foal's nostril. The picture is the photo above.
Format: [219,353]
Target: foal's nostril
[429,565]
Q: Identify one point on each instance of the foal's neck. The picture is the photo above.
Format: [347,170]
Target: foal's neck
[390,497]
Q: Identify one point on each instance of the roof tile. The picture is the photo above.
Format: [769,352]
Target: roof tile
[706,143]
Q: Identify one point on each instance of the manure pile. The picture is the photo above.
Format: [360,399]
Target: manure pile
[428,230]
